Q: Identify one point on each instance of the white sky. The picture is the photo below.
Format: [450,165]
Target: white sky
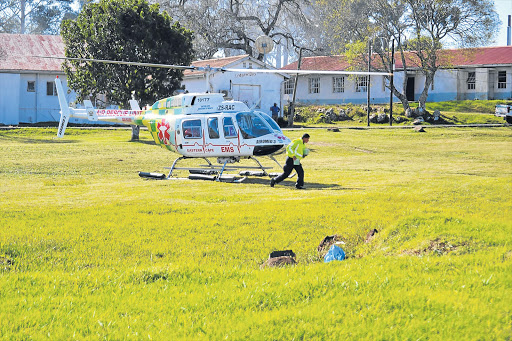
[504,9]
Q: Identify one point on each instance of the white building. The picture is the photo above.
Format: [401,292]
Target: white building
[257,90]
[480,73]
[28,94]
[27,88]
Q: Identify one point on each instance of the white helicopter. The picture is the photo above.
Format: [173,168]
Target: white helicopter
[198,125]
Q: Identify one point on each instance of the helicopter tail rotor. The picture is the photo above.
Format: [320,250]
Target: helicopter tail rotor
[64,109]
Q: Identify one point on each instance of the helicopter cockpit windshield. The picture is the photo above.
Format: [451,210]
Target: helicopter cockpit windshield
[271,122]
[252,125]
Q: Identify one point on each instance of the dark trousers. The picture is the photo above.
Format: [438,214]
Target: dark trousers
[287,170]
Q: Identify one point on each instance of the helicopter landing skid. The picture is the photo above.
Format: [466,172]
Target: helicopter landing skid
[213,172]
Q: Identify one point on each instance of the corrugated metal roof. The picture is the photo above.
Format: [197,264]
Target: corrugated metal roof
[214,63]
[323,63]
[19,49]
[501,55]
[498,55]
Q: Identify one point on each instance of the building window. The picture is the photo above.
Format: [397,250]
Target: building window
[362,84]
[51,89]
[338,84]
[31,86]
[314,85]
[288,86]
[471,80]
[502,79]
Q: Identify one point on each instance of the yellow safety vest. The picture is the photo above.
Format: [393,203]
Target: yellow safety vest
[296,148]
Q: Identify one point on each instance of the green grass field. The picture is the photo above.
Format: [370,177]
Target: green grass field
[88,250]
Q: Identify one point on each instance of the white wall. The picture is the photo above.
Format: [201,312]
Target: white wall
[265,89]
[9,98]
[326,95]
[449,85]
[38,106]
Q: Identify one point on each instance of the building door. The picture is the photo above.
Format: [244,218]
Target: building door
[490,84]
[409,92]
[249,94]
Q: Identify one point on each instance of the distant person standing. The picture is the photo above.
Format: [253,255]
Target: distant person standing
[274,110]
[295,152]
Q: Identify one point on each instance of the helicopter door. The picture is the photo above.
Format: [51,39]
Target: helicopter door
[230,143]
[213,135]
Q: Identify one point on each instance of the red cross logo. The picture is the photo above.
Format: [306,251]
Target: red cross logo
[163,131]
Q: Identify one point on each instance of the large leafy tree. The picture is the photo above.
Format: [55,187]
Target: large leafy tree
[232,26]
[420,29]
[34,16]
[125,30]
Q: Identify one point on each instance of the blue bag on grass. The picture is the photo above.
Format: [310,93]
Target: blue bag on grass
[334,253]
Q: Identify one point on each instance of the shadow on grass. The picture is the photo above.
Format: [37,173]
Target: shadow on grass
[27,140]
[148,142]
[308,185]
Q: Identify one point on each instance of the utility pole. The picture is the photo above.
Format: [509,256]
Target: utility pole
[292,105]
[368,84]
[391,68]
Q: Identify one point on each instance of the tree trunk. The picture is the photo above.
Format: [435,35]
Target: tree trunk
[429,78]
[402,98]
[135,132]
[22,17]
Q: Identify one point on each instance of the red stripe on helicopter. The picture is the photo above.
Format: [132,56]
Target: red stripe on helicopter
[117,113]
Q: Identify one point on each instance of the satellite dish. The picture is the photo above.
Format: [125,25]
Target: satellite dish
[264,44]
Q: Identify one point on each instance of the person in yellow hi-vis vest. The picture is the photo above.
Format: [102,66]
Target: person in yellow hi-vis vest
[295,152]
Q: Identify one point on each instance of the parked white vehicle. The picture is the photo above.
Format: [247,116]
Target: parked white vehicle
[505,111]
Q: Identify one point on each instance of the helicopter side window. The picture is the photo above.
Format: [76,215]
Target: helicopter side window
[192,129]
[213,127]
[229,128]
[252,125]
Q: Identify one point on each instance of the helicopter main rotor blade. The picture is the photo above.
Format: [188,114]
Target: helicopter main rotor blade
[107,61]
[319,72]
[214,69]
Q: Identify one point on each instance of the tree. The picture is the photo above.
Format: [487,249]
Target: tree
[234,25]
[125,30]
[34,16]
[420,28]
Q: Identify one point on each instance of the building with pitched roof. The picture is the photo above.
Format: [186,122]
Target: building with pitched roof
[478,73]
[28,94]
[257,90]
[27,88]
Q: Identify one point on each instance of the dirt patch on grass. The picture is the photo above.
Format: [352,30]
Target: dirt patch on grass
[437,247]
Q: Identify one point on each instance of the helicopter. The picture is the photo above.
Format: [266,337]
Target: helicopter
[195,125]
[198,125]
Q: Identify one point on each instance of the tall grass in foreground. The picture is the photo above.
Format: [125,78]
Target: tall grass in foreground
[89,250]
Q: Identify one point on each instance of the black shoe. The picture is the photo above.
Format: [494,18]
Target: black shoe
[272,182]
[300,187]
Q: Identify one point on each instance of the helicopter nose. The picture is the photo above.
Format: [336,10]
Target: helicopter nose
[266,150]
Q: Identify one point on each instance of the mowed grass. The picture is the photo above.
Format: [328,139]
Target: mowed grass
[88,250]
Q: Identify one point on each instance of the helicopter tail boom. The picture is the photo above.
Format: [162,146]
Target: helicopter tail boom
[132,117]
